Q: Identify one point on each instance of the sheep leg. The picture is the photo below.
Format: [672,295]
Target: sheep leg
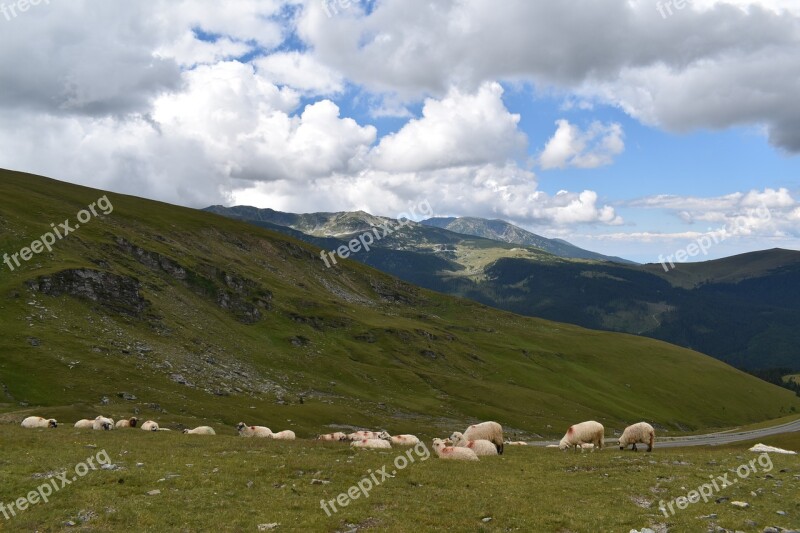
[634,447]
[650,444]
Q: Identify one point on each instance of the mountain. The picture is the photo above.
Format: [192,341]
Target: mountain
[184,316]
[741,309]
[500,230]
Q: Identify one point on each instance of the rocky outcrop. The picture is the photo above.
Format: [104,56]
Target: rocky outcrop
[116,293]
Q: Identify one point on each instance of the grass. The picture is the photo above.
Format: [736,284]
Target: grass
[226,483]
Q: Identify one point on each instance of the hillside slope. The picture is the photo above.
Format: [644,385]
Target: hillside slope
[185,316]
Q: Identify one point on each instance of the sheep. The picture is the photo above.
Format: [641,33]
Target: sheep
[330,437]
[202,430]
[150,426]
[400,440]
[361,435]
[481,447]
[102,423]
[283,435]
[638,433]
[253,431]
[84,424]
[129,423]
[491,431]
[516,443]
[452,452]
[35,422]
[371,444]
[585,432]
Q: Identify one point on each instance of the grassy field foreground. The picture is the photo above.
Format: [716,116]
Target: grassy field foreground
[226,483]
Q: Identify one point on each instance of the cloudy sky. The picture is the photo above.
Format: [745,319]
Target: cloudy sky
[629,127]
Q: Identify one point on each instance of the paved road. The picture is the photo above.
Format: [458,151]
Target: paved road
[712,439]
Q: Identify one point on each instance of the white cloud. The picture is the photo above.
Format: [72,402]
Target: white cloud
[300,71]
[461,129]
[593,148]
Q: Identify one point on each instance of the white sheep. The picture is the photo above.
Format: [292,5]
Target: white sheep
[36,422]
[516,443]
[84,424]
[361,435]
[452,452]
[333,437]
[638,433]
[150,426]
[585,432]
[481,447]
[372,444]
[400,440]
[253,431]
[283,435]
[128,423]
[102,423]
[202,430]
[491,431]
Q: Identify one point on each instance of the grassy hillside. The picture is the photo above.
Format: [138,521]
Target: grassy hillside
[185,316]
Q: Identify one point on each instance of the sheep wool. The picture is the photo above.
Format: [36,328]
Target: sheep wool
[453,453]
[641,433]
[590,432]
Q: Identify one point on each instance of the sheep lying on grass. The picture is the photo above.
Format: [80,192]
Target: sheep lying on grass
[36,422]
[129,423]
[202,430]
[283,435]
[102,423]
[400,440]
[491,431]
[150,426]
[371,444]
[453,453]
[638,433]
[590,432]
[84,424]
[253,431]
[333,437]
[481,447]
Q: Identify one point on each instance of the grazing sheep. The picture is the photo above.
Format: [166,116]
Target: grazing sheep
[516,443]
[361,435]
[129,423]
[638,433]
[481,447]
[331,437]
[253,431]
[84,424]
[585,432]
[35,422]
[150,426]
[372,444]
[283,435]
[452,452]
[491,431]
[102,423]
[202,430]
[400,440]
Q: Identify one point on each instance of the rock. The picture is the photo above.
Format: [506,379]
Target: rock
[487,520]
[154,492]
[127,396]
[70,523]
[740,505]
[722,499]
[771,530]
[712,516]
[320,482]
[781,513]
[268,527]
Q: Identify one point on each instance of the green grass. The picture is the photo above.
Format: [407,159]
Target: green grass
[376,352]
[227,483]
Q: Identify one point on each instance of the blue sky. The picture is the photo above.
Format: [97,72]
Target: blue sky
[601,122]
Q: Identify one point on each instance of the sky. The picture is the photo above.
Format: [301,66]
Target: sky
[628,127]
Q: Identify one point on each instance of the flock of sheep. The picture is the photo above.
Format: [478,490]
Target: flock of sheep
[484,439]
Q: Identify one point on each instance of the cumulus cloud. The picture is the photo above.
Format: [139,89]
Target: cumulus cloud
[593,148]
